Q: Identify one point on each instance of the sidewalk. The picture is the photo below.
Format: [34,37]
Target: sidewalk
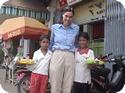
[6,87]
[2,90]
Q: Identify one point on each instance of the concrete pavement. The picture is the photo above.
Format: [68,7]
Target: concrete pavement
[6,87]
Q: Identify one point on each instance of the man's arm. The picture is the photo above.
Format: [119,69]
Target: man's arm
[76,39]
[51,39]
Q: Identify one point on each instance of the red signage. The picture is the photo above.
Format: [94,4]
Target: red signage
[62,3]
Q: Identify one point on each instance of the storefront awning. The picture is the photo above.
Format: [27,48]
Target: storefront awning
[22,27]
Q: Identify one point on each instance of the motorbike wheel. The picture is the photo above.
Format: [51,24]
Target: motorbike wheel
[120,84]
[24,85]
[110,91]
[95,88]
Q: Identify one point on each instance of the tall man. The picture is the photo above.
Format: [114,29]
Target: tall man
[62,44]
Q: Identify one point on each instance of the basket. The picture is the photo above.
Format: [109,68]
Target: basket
[94,61]
[26,61]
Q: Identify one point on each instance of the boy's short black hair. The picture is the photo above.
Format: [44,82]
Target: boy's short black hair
[44,37]
[84,35]
[67,9]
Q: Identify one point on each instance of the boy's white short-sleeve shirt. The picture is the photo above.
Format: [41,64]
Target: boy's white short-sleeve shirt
[82,72]
[41,62]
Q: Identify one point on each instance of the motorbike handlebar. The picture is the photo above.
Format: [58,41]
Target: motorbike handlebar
[116,59]
[123,57]
[105,56]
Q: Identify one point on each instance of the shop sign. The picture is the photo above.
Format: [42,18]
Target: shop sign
[72,2]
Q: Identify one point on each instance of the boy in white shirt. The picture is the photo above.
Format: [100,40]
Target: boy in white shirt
[39,77]
[82,71]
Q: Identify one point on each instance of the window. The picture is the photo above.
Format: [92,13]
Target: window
[3,9]
[32,14]
[43,15]
[14,11]
[26,12]
[8,10]
[21,12]
[81,28]
[98,30]
[38,15]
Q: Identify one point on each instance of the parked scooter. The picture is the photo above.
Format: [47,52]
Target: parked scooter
[23,76]
[23,80]
[100,80]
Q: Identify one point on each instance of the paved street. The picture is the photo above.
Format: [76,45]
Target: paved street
[6,87]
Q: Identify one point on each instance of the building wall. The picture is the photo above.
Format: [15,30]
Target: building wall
[85,14]
[88,12]
[52,8]
[33,4]
[115,28]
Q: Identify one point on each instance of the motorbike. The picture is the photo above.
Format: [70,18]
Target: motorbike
[100,79]
[23,75]
[23,80]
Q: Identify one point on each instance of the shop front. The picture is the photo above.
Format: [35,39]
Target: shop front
[90,17]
